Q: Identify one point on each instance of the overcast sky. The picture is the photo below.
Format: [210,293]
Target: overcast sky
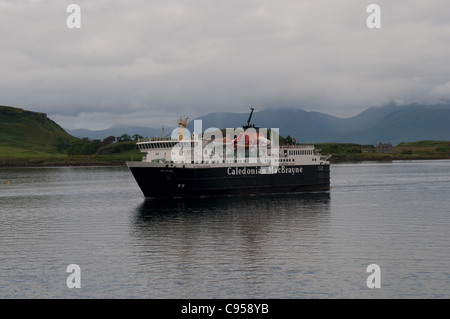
[147,62]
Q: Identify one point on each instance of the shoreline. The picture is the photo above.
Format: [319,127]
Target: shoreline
[359,160]
[6,164]
[119,163]
[386,159]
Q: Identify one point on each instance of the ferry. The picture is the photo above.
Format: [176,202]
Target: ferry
[245,162]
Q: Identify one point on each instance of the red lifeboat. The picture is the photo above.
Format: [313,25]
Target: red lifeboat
[246,139]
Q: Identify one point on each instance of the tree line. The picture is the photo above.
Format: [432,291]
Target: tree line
[86,146]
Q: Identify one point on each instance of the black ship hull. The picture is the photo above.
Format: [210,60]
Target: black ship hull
[169,181]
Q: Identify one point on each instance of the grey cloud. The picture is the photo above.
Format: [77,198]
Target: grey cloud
[162,59]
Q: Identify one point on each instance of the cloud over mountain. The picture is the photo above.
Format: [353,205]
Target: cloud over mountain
[141,62]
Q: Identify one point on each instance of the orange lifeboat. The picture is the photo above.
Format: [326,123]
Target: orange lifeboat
[250,139]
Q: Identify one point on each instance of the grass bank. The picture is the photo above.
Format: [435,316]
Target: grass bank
[421,150]
[10,156]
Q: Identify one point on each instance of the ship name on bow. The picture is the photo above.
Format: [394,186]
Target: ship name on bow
[264,170]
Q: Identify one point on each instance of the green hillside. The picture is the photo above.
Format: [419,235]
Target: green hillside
[30,138]
[428,149]
[31,131]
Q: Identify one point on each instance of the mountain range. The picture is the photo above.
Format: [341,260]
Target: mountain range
[390,123]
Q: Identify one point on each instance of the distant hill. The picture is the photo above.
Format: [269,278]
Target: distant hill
[406,124]
[390,123]
[119,131]
[31,131]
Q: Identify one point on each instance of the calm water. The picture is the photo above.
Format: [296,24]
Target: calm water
[395,215]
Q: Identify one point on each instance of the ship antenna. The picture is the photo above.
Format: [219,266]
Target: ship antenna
[249,118]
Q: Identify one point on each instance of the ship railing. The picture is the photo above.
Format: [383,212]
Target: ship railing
[297,146]
[153,139]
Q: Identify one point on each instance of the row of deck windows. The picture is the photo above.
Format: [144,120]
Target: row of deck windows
[301,152]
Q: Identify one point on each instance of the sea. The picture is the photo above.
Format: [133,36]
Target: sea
[382,231]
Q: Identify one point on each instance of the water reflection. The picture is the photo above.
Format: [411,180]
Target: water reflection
[258,207]
[252,219]
[242,241]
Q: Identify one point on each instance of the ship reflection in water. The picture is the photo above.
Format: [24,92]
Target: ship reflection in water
[217,208]
[207,246]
